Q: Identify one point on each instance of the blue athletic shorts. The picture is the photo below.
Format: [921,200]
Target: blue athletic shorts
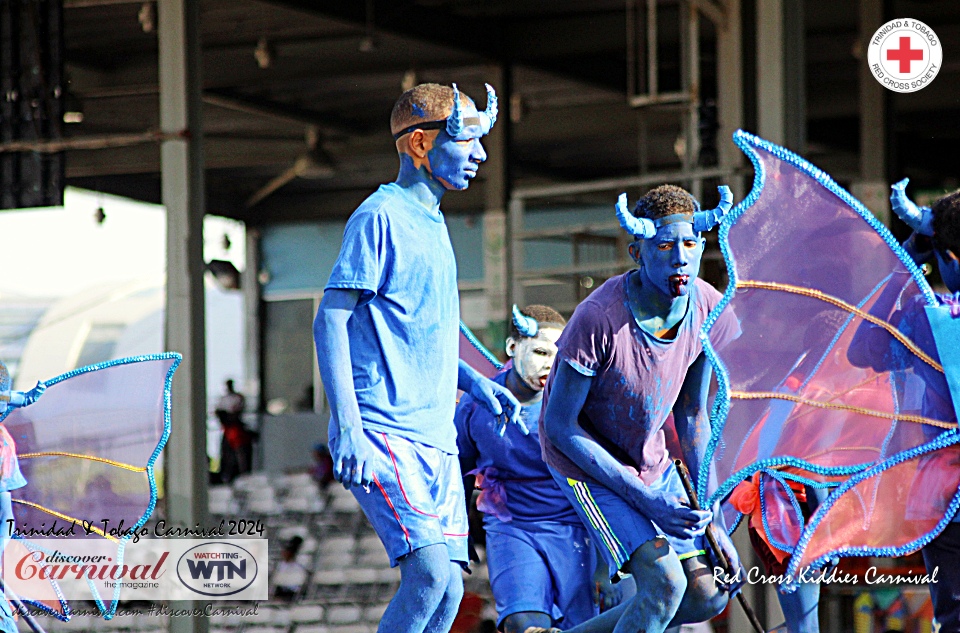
[617,526]
[545,567]
[417,498]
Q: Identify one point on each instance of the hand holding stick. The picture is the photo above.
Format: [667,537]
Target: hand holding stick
[714,545]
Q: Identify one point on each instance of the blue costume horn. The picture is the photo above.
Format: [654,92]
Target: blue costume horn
[920,219]
[639,228]
[706,220]
[455,120]
[527,326]
[645,228]
[489,116]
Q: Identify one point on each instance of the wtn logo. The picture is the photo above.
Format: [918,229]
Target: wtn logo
[217,569]
[224,568]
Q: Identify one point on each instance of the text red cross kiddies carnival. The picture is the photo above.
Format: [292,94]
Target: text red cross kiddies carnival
[905,54]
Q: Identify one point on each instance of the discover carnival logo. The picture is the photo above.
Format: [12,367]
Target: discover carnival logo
[217,569]
[905,55]
[148,569]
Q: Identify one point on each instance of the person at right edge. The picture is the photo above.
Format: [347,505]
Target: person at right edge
[936,331]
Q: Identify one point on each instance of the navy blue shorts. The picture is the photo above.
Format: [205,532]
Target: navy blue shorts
[617,526]
[546,567]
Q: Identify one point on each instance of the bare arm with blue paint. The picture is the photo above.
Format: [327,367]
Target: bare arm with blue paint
[494,397]
[693,430]
[567,397]
[352,451]
[691,419]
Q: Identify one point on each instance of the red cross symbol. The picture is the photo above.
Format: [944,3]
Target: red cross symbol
[905,54]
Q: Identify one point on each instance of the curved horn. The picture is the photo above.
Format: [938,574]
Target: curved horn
[489,116]
[920,219]
[455,120]
[527,326]
[639,228]
[706,220]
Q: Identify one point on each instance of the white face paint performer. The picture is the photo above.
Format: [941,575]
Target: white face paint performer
[533,347]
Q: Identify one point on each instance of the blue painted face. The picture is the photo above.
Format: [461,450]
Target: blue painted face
[671,259]
[454,161]
[949,266]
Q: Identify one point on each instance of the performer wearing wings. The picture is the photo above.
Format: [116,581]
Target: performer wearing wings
[805,399]
[629,357]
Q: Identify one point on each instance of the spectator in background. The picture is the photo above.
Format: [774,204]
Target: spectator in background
[289,575]
[236,447]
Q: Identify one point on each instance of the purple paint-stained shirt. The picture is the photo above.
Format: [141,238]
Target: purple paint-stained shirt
[636,376]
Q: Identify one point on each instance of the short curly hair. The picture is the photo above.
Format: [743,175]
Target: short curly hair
[665,200]
[424,102]
[544,315]
[946,222]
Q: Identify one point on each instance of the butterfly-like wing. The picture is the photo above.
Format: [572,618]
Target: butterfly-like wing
[89,449]
[807,264]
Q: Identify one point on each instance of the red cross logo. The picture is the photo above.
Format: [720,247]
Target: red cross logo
[905,55]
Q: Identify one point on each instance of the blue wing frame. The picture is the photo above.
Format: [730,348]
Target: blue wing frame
[108,613]
[749,144]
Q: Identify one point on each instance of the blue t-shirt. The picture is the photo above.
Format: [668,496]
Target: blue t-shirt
[531,493]
[404,332]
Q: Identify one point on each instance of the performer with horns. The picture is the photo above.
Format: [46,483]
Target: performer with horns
[540,557]
[632,355]
[387,337]
[936,330]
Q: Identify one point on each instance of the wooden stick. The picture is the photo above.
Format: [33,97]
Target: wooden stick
[715,545]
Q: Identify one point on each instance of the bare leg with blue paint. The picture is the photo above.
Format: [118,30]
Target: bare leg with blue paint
[672,592]
[429,594]
[800,608]
[443,617]
[520,622]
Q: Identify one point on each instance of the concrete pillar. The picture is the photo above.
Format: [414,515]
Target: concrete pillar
[730,92]
[494,215]
[182,190]
[253,315]
[781,112]
[515,265]
[872,188]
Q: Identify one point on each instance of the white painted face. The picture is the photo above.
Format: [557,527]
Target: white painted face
[533,357]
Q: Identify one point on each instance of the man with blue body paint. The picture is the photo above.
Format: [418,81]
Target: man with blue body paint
[935,237]
[631,355]
[387,334]
[539,555]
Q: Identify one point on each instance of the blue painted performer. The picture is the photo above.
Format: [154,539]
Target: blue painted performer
[387,335]
[632,355]
[10,476]
[539,556]
[936,236]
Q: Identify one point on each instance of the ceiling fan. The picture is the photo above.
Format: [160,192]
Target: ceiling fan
[314,164]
